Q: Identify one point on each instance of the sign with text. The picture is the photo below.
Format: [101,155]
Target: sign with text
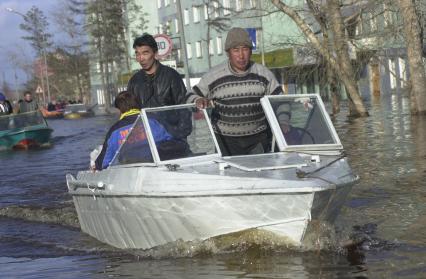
[164,44]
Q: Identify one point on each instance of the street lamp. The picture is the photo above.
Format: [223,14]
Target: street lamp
[43,52]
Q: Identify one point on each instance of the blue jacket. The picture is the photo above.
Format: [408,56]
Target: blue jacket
[118,133]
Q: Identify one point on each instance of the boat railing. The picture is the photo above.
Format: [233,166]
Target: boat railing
[21,120]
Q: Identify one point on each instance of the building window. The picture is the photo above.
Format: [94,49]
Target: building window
[166,3]
[179,55]
[253,4]
[239,5]
[211,47]
[226,7]
[216,9]
[373,22]
[196,14]
[198,50]
[159,3]
[176,26]
[388,15]
[168,27]
[100,96]
[186,16]
[206,11]
[219,45]
[188,50]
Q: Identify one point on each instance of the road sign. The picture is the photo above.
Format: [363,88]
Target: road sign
[164,45]
[39,90]
[253,34]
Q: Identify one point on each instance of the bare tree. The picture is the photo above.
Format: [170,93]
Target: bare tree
[414,41]
[71,59]
[36,25]
[336,52]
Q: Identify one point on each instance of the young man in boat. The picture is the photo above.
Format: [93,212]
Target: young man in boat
[28,104]
[234,89]
[155,84]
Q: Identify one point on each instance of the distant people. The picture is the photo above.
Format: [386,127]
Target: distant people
[5,106]
[129,108]
[155,84]
[28,104]
[51,106]
[235,88]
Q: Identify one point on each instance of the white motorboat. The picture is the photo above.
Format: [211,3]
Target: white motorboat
[154,193]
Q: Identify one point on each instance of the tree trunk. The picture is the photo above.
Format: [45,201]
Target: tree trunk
[413,40]
[342,66]
[342,54]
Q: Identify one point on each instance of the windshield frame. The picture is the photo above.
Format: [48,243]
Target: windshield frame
[278,135]
[153,148]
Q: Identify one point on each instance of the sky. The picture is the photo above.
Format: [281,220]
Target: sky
[11,42]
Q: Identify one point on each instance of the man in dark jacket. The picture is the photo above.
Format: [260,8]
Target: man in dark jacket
[155,85]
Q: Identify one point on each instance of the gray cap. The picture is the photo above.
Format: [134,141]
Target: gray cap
[237,37]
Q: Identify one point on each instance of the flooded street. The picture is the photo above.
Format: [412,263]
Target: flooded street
[380,232]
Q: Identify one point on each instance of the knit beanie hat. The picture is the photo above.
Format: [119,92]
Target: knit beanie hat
[283,113]
[237,37]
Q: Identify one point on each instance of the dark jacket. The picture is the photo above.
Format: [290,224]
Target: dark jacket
[165,88]
[25,106]
[6,108]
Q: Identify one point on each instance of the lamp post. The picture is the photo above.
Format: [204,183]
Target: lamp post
[44,57]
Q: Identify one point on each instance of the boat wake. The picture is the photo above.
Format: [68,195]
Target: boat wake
[322,237]
[65,216]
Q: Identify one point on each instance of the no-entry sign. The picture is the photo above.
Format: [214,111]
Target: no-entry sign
[164,45]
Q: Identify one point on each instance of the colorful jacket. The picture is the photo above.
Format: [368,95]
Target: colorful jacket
[118,133]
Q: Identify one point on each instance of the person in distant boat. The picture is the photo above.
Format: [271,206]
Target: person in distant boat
[5,106]
[28,104]
[234,89]
[129,107]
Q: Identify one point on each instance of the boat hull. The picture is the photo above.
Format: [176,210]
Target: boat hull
[145,212]
[25,138]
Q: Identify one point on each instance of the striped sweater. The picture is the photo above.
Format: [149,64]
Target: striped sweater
[236,98]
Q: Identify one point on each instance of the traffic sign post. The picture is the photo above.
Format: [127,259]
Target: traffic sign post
[164,44]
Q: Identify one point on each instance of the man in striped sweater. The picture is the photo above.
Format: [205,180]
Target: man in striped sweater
[234,89]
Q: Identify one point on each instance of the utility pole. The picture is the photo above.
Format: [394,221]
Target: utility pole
[183,45]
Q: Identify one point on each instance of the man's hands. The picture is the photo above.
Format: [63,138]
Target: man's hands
[203,103]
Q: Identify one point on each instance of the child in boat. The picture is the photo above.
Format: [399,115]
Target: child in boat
[129,108]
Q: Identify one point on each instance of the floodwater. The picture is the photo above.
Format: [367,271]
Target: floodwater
[380,232]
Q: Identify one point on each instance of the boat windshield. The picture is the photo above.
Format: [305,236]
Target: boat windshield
[167,133]
[21,120]
[75,108]
[300,122]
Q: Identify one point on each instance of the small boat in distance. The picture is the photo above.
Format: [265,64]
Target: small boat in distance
[24,131]
[156,192]
[52,114]
[76,111]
